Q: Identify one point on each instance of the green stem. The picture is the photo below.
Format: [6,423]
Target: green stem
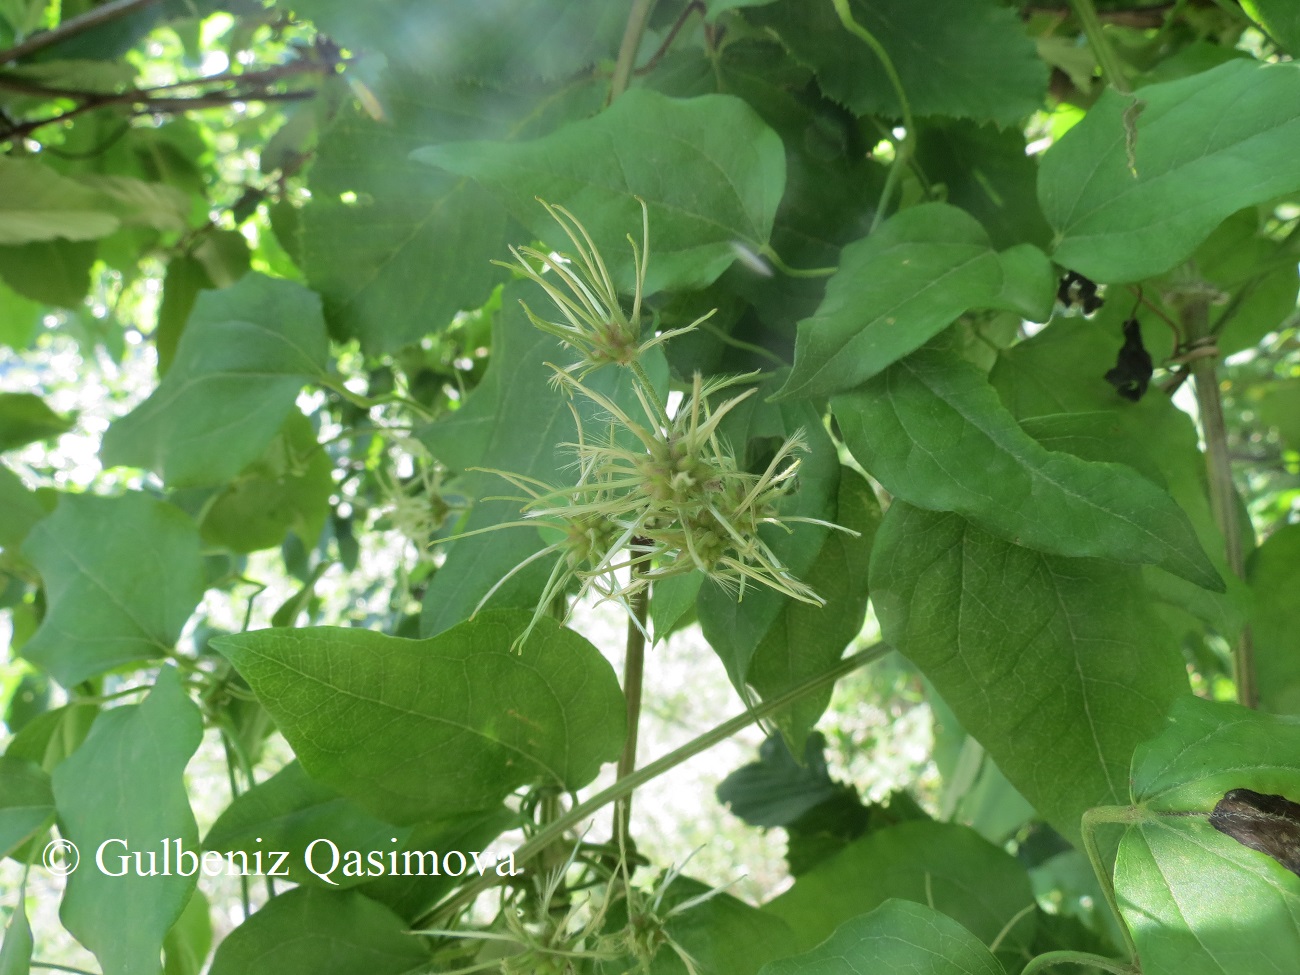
[544,837]
[636,21]
[795,272]
[1120,815]
[903,149]
[1111,69]
[633,671]
[648,387]
[54,966]
[736,343]
[1223,495]
[1053,958]
[366,403]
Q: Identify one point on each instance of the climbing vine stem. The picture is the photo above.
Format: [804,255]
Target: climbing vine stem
[633,670]
[1223,495]
[1107,60]
[634,780]
[904,147]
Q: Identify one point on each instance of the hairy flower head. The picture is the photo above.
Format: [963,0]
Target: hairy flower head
[593,320]
[657,494]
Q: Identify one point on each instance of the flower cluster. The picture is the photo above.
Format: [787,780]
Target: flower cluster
[658,494]
[594,325]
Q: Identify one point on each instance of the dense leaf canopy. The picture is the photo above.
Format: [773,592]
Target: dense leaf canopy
[350,351]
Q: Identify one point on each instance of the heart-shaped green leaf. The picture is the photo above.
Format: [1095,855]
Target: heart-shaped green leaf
[949,866]
[123,791]
[710,171]
[1028,649]
[423,729]
[932,430]
[1134,188]
[121,575]
[1184,887]
[898,936]
[898,288]
[245,353]
[307,932]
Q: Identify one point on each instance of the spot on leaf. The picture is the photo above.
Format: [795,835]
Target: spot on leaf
[1267,823]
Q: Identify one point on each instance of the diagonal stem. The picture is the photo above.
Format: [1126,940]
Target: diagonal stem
[556,829]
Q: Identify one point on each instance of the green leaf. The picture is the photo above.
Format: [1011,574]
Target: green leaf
[286,489]
[1274,576]
[412,895]
[413,729]
[712,177]
[393,249]
[121,578]
[16,949]
[898,936]
[126,783]
[722,934]
[99,77]
[965,58]
[19,317]
[24,419]
[1059,372]
[1176,876]
[187,944]
[315,932]
[20,509]
[1280,409]
[898,288]
[805,640]
[23,16]
[26,802]
[1280,18]
[185,278]
[988,175]
[288,812]
[1207,748]
[1115,226]
[674,597]
[39,204]
[52,736]
[1057,666]
[952,867]
[492,40]
[137,203]
[55,272]
[778,789]
[832,188]
[243,357]
[1242,258]
[932,431]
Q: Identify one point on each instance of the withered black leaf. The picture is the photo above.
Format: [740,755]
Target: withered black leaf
[1074,289]
[1269,824]
[1133,366]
